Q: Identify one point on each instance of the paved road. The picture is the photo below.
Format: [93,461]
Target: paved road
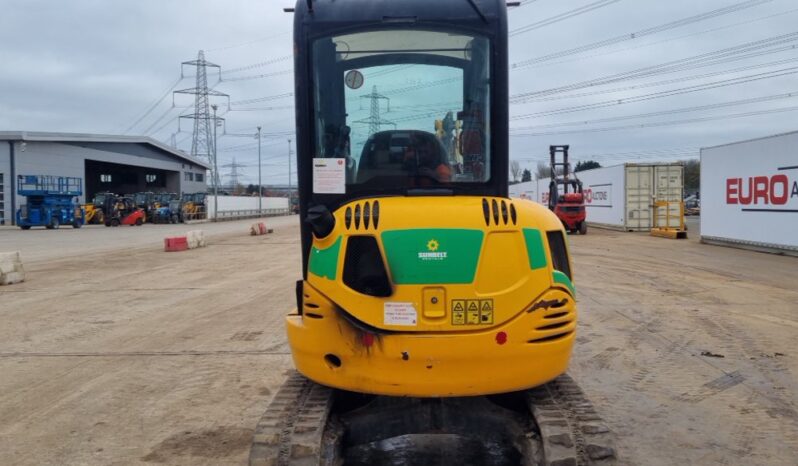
[40,244]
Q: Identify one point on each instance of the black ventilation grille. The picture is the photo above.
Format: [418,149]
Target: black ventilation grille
[366,214]
[496,211]
[364,269]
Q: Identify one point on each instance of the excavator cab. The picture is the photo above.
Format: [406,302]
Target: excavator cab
[421,278]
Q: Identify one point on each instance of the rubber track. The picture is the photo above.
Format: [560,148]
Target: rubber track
[290,431]
[572,433]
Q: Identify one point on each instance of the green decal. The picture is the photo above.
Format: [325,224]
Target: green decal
[563,279]
[324,262]
[433,255]
[534,248]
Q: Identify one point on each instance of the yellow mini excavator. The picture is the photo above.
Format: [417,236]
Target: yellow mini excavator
[436,316]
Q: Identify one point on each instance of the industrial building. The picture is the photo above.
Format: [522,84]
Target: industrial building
[118,164]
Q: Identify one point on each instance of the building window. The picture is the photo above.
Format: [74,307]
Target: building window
[189,176]
[151,178]
[105,178]
[200,177]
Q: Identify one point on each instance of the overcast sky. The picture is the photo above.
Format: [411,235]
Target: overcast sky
[97,66]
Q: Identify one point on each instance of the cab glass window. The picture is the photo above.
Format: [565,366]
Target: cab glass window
[404,108]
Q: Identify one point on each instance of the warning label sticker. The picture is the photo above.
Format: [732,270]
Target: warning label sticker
[485,311]
[400,314]
[458,312]
[472,312]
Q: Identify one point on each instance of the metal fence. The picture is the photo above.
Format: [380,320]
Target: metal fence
[225,215]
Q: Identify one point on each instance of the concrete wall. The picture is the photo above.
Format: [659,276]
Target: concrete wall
[69,159]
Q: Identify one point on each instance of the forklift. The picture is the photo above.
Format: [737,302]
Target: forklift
[567,204]
[122,210]
[52,202]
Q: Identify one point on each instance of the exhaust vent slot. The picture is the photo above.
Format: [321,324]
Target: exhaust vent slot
[554,326]
[375,214]
[556,315]
[504,212]
[486,211]
[364,268]
[348,218]
[495,206]
[551,338]
[513,214]
[313,316]
[357,217]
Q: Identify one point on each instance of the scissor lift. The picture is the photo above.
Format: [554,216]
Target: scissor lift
[52,201]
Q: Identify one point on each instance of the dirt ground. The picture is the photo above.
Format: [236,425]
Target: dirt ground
[135,356]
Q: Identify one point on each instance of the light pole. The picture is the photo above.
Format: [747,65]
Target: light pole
[260,189]
[215,170]
[290,197]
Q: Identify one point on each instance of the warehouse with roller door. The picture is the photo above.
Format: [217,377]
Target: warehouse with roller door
[749,194]
[118,164]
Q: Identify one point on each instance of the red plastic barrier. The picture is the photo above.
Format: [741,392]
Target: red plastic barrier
[176,243]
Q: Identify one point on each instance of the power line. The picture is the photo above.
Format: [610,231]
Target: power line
[562,16]
[663,123]
[660,83]
[268,62]
[262,99]
[642,33]
[738,52]
[153,106]
[244,44]
[670,39]
[732,103]
[661,94]
[258,76]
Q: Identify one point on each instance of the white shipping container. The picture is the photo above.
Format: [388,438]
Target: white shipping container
[623,196]
[527,190]
[749,193]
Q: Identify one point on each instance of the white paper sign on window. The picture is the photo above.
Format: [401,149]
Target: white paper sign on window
[329,176]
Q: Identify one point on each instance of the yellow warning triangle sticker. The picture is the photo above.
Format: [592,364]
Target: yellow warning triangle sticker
[459,307]
[487,305]
[473,306]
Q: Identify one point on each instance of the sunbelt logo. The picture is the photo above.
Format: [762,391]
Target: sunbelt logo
[432,253]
